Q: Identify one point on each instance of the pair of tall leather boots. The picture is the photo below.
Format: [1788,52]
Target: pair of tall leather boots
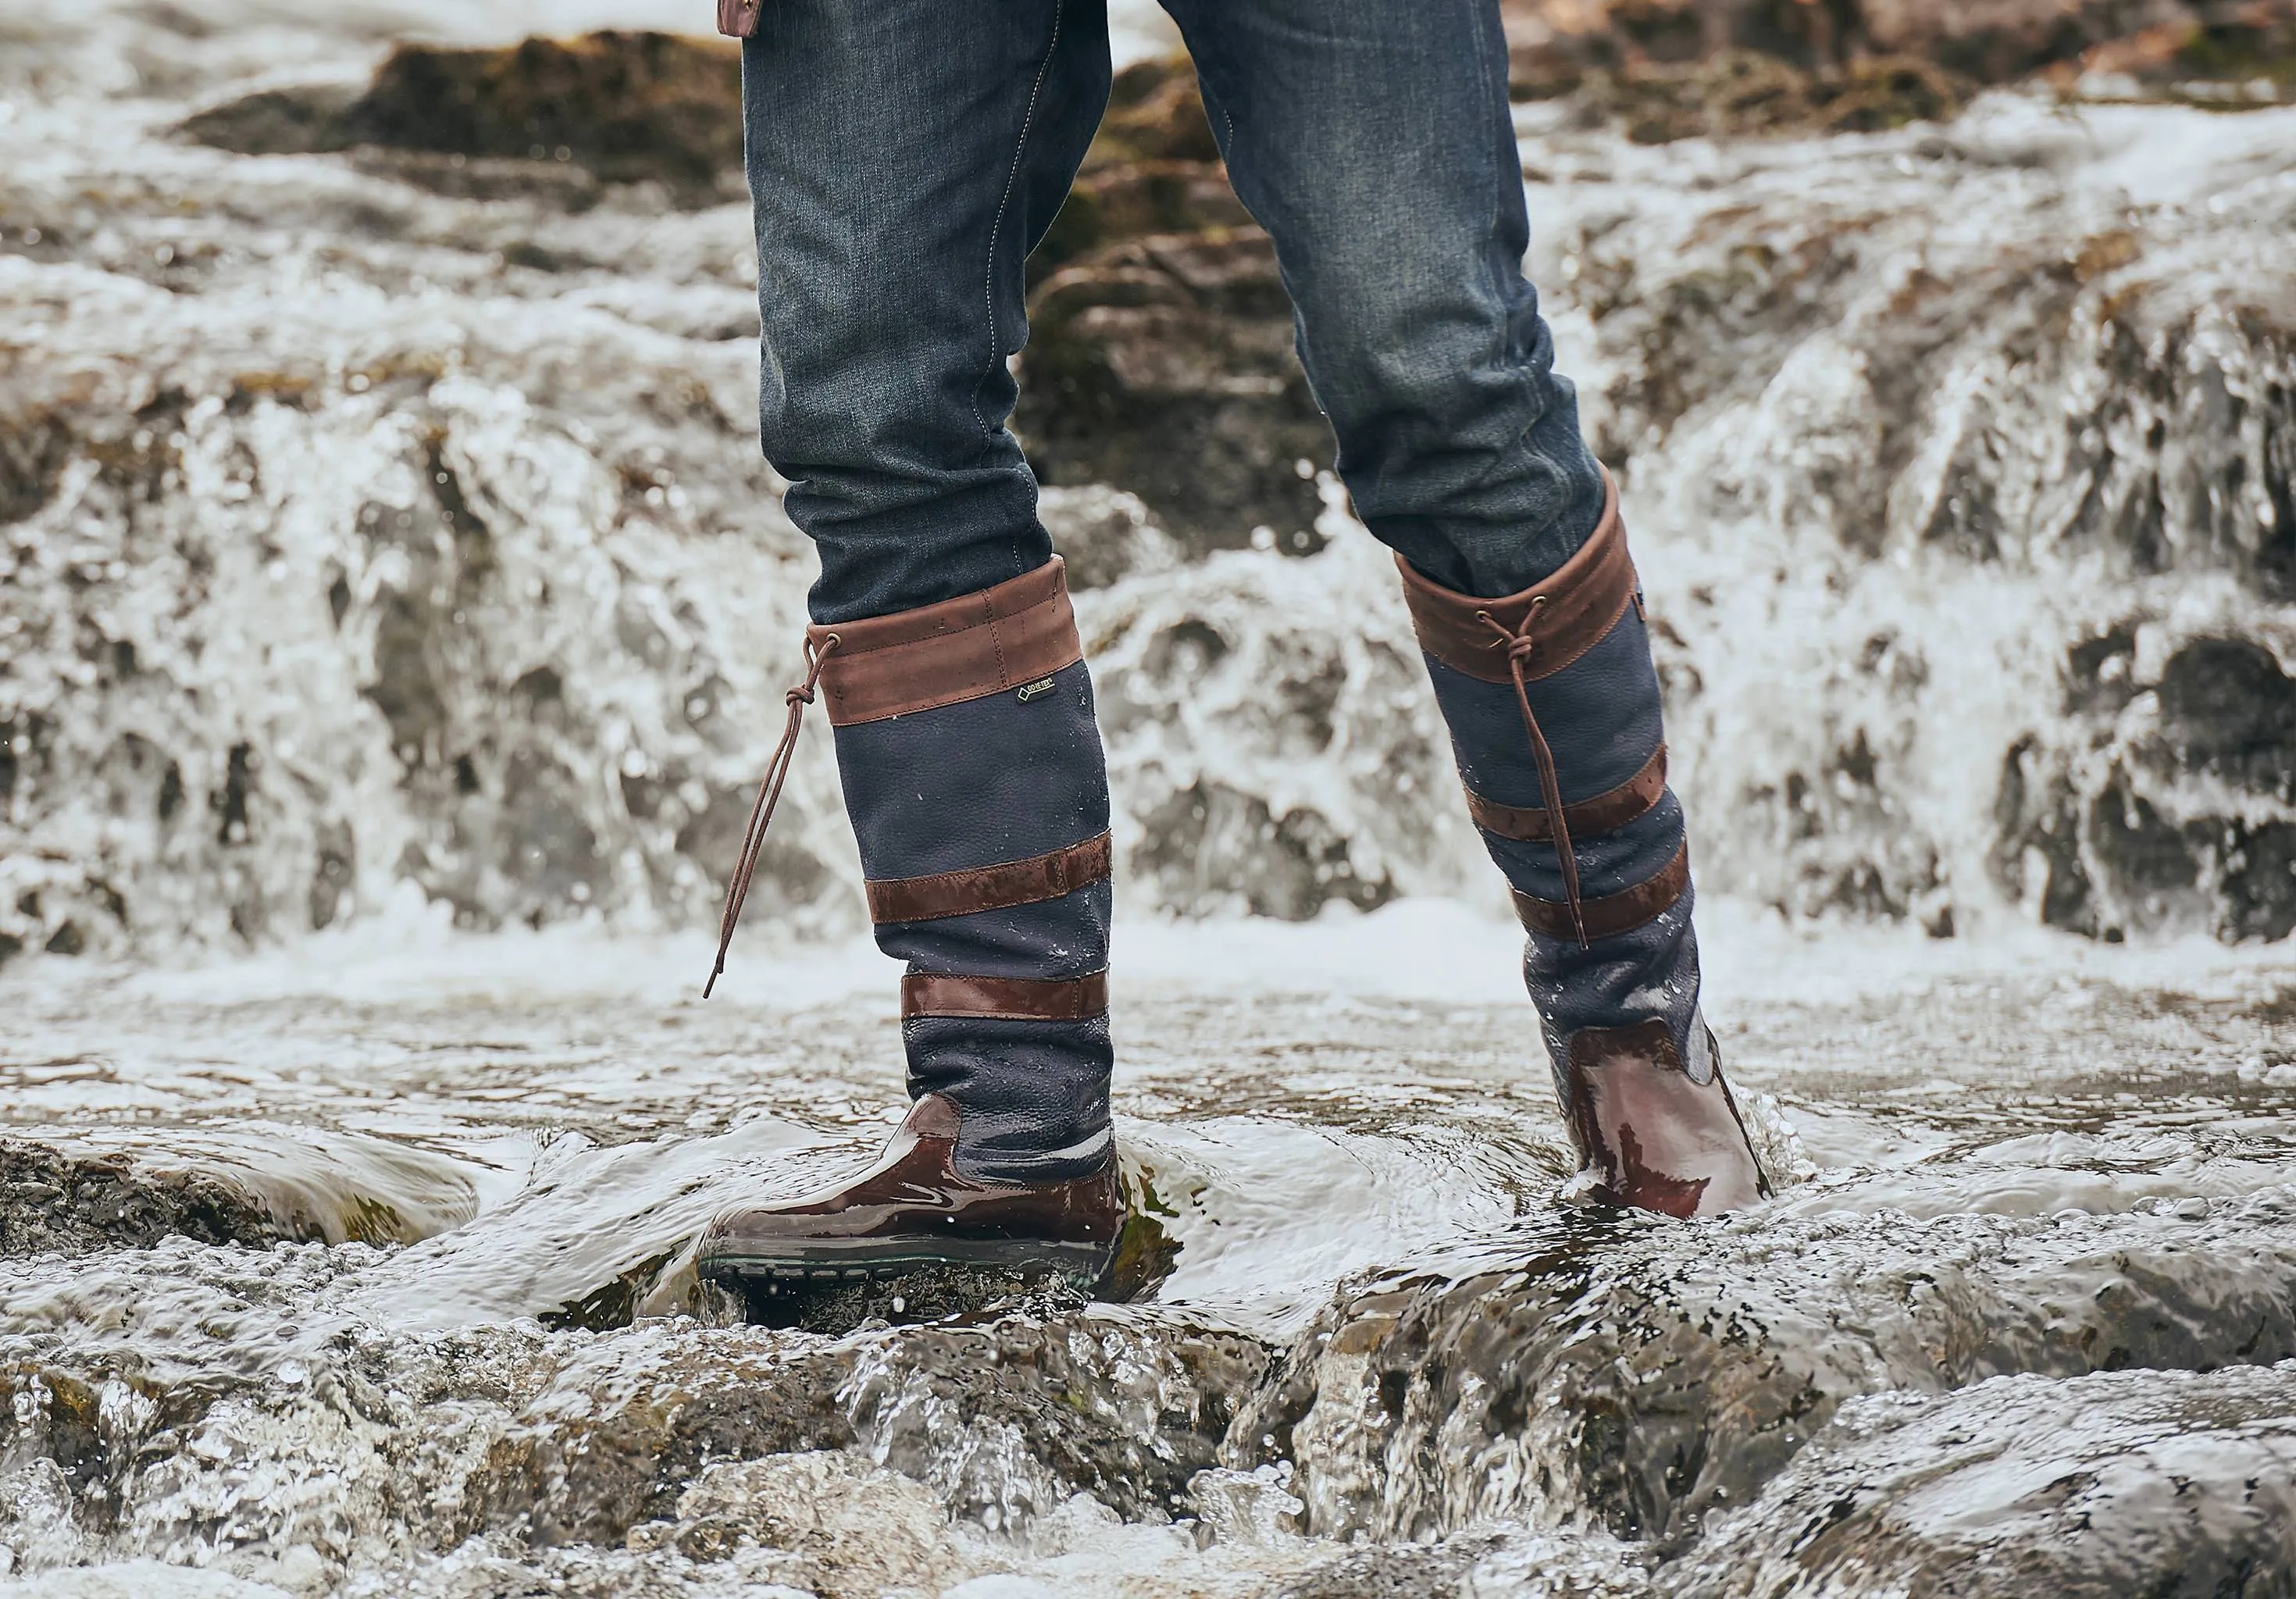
[974,778]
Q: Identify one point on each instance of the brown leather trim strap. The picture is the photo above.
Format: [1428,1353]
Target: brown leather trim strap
[1619,913]
[1563,618]
[1006,637]
[1005,998]
[1606,812]
[991,888]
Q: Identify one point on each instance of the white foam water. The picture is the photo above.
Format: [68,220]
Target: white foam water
[366,537]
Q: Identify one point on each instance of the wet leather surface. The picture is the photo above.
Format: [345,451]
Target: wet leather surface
[1567,612]
[914,1190]
[1609,863]
[1655,1139]
[1053,875]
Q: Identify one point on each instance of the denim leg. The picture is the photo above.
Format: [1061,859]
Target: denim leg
[904,157]
[1372,140]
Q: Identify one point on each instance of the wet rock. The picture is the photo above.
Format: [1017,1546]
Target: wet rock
[624,107]
[1555,46]
[1607,1374]
[1450,1567]
[2121,846]
[1164,366]
[1155,114]
[162,1380]
[1161,358]
[921,1296]
[2177,461]
[214,819]
[1247,1507]
[1104,534]
[1154,168]
[1003,1421]
[1742,93]
[56,1202]
[856,1531]
[1211,847]
[306,121]
[627,105]
[2179,1484]
[1110,203]
[39,1524]
[1963,356]
[1007,1421]
[33,449]
[1673,69]
[1197,652]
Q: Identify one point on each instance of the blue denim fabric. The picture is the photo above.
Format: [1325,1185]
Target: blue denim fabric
[905,155]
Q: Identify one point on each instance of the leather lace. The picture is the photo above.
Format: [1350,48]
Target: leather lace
[1520,647]
[769,793]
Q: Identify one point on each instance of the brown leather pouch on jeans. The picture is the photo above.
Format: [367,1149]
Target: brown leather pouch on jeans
[738,19]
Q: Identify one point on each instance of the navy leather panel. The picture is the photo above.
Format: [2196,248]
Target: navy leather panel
[1651,971]
[1609,863]
[1600,714]
[978,784]
[1027,1091]
[1066,937]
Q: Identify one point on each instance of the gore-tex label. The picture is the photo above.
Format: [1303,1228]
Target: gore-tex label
[1029,690]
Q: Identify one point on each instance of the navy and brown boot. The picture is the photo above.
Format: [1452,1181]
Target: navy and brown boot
[1553,704]
[974,779]
[915,1210]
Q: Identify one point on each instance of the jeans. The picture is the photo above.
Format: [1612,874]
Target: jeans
[905,155]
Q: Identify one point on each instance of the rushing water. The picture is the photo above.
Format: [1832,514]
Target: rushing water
[2035,1205]
[393,614]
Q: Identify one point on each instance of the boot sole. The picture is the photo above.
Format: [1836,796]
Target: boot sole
[875,1260]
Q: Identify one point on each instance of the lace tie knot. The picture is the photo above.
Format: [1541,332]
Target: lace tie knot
[1522,643]
[769,793]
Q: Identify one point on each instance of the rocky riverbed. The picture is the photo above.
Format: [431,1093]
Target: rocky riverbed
[365,1267]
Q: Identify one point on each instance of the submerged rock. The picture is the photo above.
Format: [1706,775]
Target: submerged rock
[268,1364]
[2169,1484]
[855,1531]
[53,1203]
[1607,1373]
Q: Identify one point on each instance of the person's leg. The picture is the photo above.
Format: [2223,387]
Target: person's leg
[904,156]
[1374,143]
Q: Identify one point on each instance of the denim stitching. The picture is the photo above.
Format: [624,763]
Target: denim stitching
[997,226]
[1510,171]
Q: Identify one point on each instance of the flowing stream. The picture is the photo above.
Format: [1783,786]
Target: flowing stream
[393,618]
